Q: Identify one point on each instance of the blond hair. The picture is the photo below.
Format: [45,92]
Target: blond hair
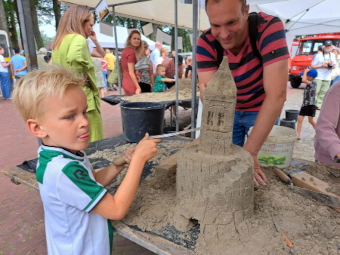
[189,59]
[32,91]
[128,44]
[72,23]
[159,66]
[164,50]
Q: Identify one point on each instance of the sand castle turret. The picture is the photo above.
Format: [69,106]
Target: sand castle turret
[214,182]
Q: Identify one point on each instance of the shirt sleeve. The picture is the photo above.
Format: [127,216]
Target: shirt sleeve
[77,55]
[272,44]
[131,56]
[328,122]
[206,55]
[76,188]
[316,60]
[2,59]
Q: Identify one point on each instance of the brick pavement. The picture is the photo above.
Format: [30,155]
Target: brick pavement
[21,212]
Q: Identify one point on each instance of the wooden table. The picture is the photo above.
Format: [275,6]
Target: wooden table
[151,242]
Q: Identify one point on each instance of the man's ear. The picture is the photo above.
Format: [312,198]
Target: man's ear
[35,128]
[246,11]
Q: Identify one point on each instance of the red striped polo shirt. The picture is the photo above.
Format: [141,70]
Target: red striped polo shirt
[245,67]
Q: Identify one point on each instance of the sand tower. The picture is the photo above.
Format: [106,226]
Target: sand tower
[214,182]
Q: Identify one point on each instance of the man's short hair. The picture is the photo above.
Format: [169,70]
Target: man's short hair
[320,48]
[31,91]
[244,3]
[16,50]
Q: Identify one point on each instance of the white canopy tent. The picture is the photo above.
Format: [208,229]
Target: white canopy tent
[300,17]
[107,41]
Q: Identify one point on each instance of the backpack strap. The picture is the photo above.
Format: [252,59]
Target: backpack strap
[252,28]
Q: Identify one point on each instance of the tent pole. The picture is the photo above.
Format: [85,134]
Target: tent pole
[176,64]
[117,54]
[194,70]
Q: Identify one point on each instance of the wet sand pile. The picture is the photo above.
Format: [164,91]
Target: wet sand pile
[312,228]
[184,93]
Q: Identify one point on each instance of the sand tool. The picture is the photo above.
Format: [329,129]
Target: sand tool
[335,172]
[288,242]
[309,186]
[174,134]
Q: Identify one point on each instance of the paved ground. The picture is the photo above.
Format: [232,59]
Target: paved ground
[21,212]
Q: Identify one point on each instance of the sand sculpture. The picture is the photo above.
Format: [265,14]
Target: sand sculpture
[214,182]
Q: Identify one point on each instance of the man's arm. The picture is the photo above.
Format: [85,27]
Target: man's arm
[275,86]
[203,79]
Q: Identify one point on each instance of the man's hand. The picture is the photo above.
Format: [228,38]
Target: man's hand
[259,176]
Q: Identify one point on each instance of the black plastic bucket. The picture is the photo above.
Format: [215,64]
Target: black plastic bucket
[287,123]
[141,117]
[292,115]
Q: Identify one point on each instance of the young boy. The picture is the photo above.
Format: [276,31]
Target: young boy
[76,204]
[160,79]
[308,107]
[188,69]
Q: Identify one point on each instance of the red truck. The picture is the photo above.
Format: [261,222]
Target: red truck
[307,48]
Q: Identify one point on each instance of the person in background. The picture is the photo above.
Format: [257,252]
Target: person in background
[144,67]
[70,49]
[100,82]
[161,79]
[111,61]
[19,64]
[324,63]
[308,107]
[132,48]
[43,59]
[164,54]
[104,64]
[155,54]
[327,141]
[5,81]
[173,53]
[169,64]
[188,69]
[320,50]
[335,75]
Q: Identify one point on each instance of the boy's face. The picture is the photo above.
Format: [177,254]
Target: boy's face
[65,123]
[161,71]
[310,78]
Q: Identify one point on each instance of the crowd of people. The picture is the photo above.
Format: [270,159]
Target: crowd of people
[61,106]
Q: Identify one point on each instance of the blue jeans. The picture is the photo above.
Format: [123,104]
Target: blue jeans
[105,82]
[5,85]
[243,121]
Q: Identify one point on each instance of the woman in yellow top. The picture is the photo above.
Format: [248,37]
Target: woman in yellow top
[70,49]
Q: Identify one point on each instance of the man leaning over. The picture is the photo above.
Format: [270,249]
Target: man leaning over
[261,84]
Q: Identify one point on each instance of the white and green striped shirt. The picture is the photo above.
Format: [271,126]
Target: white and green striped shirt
[69,192]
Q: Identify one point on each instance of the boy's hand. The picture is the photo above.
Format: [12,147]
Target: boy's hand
[307,70]
[146,148]
[127,155]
